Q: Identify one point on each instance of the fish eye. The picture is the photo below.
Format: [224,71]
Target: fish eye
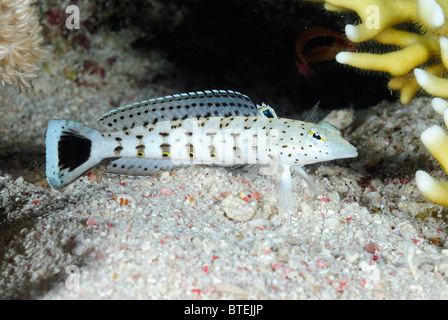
[316,136]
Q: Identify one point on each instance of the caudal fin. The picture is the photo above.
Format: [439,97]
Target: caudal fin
[68,151]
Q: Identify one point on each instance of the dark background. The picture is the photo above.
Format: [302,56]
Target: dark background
[249,46]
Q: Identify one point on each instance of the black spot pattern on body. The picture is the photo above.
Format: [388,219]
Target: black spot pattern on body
[212,151]
[165,150]
[118,150]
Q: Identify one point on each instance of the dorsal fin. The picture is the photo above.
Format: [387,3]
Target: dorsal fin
[313,115]
[214,103]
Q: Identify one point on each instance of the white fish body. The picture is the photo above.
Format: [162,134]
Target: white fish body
[212,127]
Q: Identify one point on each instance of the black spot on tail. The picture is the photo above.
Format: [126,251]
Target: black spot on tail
[73,150]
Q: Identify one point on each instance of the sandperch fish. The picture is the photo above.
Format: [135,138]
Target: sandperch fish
[211,127]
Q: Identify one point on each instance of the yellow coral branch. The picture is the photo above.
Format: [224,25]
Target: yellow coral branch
[436,141]
[329,7]
[387,15]
[378,21]
[396,63]
[432,84]
[434,191]
[439,106]
[407,85]
[444,51]
[432,14]
[403,39]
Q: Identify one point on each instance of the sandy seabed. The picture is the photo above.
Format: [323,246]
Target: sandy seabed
[370,235]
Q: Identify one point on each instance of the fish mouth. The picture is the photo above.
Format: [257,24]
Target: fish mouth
[351,154]
[347,154]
